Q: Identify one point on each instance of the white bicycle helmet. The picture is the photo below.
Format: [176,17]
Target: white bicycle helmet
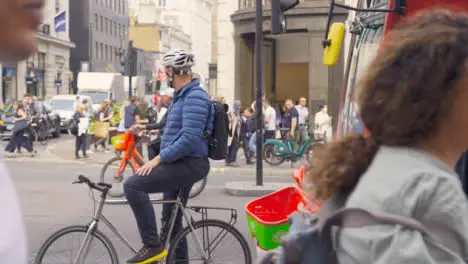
[178,59]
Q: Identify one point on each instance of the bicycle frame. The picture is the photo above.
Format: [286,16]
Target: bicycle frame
[131,155]
[98,217]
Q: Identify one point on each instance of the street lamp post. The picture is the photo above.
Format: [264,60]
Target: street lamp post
[259,84]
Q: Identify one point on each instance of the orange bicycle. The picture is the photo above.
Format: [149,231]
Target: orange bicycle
[127,144]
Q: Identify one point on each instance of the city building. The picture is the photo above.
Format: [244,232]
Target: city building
[47,71]
[213,66]
[194,16]
[100,29]
[292,60]
[156,36]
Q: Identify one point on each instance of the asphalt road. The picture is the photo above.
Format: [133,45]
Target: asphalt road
[50,202]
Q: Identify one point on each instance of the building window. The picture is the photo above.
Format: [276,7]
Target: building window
[111,28]
[107,52]
[115,30]
[96,46]
[101,51]
[101,24]
[96,22]
[162,3]
[57,6]
[106,21]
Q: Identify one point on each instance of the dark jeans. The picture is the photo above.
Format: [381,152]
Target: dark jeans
[169,179]
[18,140]
[232,150]
[245,145]
[80,144]
[270,134]
[153,150]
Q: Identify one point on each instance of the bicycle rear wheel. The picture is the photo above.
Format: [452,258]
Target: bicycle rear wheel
[48,255]
[233,253]
[110,174]
[198,187]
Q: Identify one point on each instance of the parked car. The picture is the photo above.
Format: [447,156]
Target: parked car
[7,117]
[64,105]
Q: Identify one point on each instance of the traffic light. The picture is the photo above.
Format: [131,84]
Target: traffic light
[278,20]
[131,60]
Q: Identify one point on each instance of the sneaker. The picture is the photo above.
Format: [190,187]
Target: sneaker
[148,255]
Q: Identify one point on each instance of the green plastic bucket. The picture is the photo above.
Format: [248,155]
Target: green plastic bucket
[267,216]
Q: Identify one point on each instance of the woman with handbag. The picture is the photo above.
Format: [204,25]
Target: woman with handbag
[82,121]
[103,117]
[18,138]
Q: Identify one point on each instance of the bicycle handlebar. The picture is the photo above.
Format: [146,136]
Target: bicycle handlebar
[100,186]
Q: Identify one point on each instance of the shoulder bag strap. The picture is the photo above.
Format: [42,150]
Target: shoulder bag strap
[357,217]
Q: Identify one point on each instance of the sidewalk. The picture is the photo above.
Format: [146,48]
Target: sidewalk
[65,150]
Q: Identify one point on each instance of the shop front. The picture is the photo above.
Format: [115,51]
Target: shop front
[35,75]
[9,83]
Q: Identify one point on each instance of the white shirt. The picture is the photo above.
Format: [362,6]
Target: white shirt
[303,114]
[323,126]
[12,233]
[270,113]
[161,113]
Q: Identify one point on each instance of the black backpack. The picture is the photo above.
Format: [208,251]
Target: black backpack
[218,138]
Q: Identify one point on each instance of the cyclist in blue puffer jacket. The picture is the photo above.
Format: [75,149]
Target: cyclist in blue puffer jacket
[183,159]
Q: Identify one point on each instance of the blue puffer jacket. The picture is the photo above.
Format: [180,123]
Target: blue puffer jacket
[186,124]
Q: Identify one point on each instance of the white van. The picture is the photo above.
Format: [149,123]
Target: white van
[64,105]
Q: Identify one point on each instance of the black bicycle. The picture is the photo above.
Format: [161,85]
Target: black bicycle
[87,253]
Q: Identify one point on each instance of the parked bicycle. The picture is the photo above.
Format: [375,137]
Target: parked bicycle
[85,253]
[127,144]
[277,151]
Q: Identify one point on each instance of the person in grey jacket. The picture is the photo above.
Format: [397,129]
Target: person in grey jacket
[412,100]
[18,23]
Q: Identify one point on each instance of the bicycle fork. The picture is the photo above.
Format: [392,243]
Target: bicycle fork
[84,248]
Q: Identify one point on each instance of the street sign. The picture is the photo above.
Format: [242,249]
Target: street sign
[58,83]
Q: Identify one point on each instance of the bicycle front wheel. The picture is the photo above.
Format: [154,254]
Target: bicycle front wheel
[114,173]
[213,241]
[98,251]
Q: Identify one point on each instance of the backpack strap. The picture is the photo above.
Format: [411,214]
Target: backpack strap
[358,217]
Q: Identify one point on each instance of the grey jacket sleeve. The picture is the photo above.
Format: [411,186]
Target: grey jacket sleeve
[433,198]
[12,233]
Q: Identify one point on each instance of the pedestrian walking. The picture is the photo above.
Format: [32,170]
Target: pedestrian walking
[247,129]
[234,135]
[82,120]
[322,124]
[18,138]
[290,118]
[102,126]
[270,120]
[302,120]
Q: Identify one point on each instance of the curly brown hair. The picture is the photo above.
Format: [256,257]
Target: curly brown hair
[406,94]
